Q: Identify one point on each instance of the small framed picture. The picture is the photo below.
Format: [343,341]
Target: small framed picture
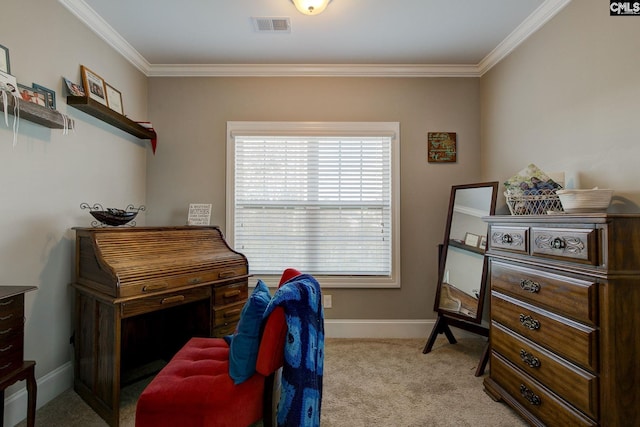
[30,94]
[483,243]
[5,64]
[51,95]
[114,99]
[471,239]
[94,84]
[73,88]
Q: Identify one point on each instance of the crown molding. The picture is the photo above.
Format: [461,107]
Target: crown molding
[537,19]
[91,19]
[312,70]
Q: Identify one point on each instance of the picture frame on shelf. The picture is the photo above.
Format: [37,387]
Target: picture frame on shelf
[94,85]
[483,243]
[114,99]
[471,239]
[5,63]
[51,95]
[32,95]
[73,89]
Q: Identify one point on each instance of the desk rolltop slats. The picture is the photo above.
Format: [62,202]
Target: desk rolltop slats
[128,262]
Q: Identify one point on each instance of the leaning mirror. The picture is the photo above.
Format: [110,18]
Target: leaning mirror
[462,271]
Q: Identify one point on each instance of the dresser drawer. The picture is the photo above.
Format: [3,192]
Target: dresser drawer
[228,294]
[226,318]
[575,245]
[572,340]
[569,296]
[513,239]
[12,317]
[534,397]
[569,381]
[151,303]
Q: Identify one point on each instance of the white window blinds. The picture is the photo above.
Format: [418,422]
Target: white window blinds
[320,203]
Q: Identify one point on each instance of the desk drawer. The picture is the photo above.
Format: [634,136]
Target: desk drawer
[572,340]
[151,303]
[566,295]
[535,397]
[572,383]
[228,294]
[226,318]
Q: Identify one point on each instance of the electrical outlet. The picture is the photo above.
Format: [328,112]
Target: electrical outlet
[327,301]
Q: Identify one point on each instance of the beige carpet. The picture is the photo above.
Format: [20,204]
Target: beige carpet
[377,382]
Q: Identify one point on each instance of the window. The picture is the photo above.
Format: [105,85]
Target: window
[320,197]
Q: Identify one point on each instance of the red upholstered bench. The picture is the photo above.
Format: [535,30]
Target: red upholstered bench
[195,390]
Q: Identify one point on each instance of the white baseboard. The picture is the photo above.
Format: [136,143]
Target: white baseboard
[49,387]
[61,379]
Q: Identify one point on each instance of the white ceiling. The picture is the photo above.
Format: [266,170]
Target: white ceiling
[212,37]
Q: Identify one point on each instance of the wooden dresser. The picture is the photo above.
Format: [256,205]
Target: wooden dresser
[141,293]
[565,318]
[13,367]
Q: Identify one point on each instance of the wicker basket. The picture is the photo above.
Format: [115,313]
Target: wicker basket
[540,203]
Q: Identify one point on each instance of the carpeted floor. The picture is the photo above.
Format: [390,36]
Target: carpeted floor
[367,382]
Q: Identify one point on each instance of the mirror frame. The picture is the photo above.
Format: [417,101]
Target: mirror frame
[444,247]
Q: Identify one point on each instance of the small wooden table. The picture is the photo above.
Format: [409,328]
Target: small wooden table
[12,366]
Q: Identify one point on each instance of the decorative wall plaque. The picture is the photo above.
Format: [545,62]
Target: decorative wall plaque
[441,147]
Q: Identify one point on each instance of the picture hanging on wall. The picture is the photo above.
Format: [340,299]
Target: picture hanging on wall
[441,147]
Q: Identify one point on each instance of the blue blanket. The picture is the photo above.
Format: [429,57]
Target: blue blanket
[301,392]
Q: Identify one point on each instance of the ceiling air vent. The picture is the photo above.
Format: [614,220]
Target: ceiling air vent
[272,25]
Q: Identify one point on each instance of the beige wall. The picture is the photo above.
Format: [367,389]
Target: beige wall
[47,175]
[568,99]
[190,115]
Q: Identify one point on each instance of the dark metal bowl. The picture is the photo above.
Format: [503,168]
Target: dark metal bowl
[114,217]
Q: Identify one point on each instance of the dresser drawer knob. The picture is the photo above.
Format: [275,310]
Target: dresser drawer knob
[529,359]
[156,287]
[506,238]
[558,243]
[529,322]
[232,313]
[530,286]
[528,394]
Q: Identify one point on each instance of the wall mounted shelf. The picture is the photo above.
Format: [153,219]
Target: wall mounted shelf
[35,113]
[107,115]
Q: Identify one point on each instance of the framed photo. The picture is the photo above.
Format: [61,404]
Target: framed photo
[73,88]
[94,85]
[471,239]
[30,94]
[5,64]
[51,95]
[441,147]
[114,98]
[483,243]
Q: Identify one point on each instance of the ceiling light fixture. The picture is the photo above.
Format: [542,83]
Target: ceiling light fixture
[311,7]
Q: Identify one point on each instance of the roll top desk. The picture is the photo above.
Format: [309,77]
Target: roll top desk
[565,318]
[140,294]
